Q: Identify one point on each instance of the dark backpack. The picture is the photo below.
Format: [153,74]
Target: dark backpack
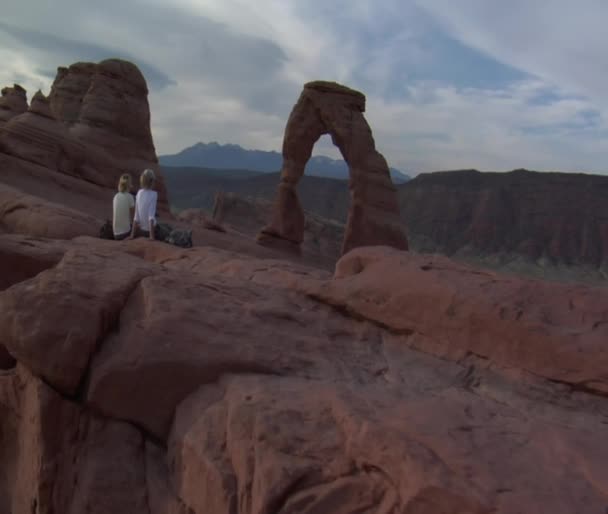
[162,231]
[168,234]
[182,238]
[106,231]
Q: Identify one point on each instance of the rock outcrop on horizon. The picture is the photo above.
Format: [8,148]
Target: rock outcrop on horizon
[93,127]
[12,102]
[373,216]
[553,218]
[106,105]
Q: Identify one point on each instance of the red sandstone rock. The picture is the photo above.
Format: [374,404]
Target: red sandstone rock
[165,341]
[322,237]
[56,457]
[12,103]
[22,258]
[198,217]
[373,219]
[69,89]
[67,190]
[7,361]
[35,136]
[254,444]
[279,389]
[25,214]
[161,498]
[54,321]
[40,105]
[94,125]
[105,105]
[557,331]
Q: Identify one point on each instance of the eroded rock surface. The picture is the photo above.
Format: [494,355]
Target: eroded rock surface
[27,214]
[106,104]
[83,296]
[373,218]
[94,126]
[12,102]
[322,237]
[152,379]
[59,457]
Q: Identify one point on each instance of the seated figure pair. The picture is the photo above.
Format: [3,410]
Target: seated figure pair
[142,211]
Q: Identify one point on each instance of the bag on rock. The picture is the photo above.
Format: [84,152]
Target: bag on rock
[182,238]
[162,231]
[165,232]
[106,231]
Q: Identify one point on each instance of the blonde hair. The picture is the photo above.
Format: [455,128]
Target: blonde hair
[124,183]
[147,178]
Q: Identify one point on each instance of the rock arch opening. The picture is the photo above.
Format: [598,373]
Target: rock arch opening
[373,216]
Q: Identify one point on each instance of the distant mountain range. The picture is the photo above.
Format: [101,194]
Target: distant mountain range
[216,156]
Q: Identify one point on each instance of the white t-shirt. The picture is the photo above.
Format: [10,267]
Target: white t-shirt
[121,222]
[145,208]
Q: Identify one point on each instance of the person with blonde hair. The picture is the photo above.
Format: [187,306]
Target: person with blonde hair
[144,221]
[123,205]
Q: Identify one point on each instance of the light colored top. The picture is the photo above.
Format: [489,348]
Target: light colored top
[145,208]
[121,222]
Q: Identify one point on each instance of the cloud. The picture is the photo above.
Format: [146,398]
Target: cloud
[561,42]
[484,85]
[43,44]
[497,130]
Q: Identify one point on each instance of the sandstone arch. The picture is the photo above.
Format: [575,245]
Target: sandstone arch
[373,218]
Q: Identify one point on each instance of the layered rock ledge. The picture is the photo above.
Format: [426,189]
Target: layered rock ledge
[150,379]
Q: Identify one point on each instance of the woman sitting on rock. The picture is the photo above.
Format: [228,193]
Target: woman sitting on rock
[123,208]
[144,221]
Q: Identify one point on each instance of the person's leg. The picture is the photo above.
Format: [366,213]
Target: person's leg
[120,237]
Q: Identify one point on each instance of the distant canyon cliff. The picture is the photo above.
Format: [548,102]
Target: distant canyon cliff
[558,217]
[549,218]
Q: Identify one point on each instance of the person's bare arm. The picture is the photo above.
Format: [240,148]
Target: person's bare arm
[152,216]
[135,221]
[151,229]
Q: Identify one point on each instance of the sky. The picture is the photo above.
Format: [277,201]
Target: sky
[483,84]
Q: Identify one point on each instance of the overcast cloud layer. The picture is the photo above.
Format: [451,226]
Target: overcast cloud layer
[474,84]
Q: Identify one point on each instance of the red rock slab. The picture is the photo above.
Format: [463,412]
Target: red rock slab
[56,187]
[179,330]
[23,257]
[270,444]
[161,497]
[13,102]
[7,361]
[53,322]
[34,423]
[56,457]
[109,470]
[556,331]
[25,214]
[199,217]
[210,261]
